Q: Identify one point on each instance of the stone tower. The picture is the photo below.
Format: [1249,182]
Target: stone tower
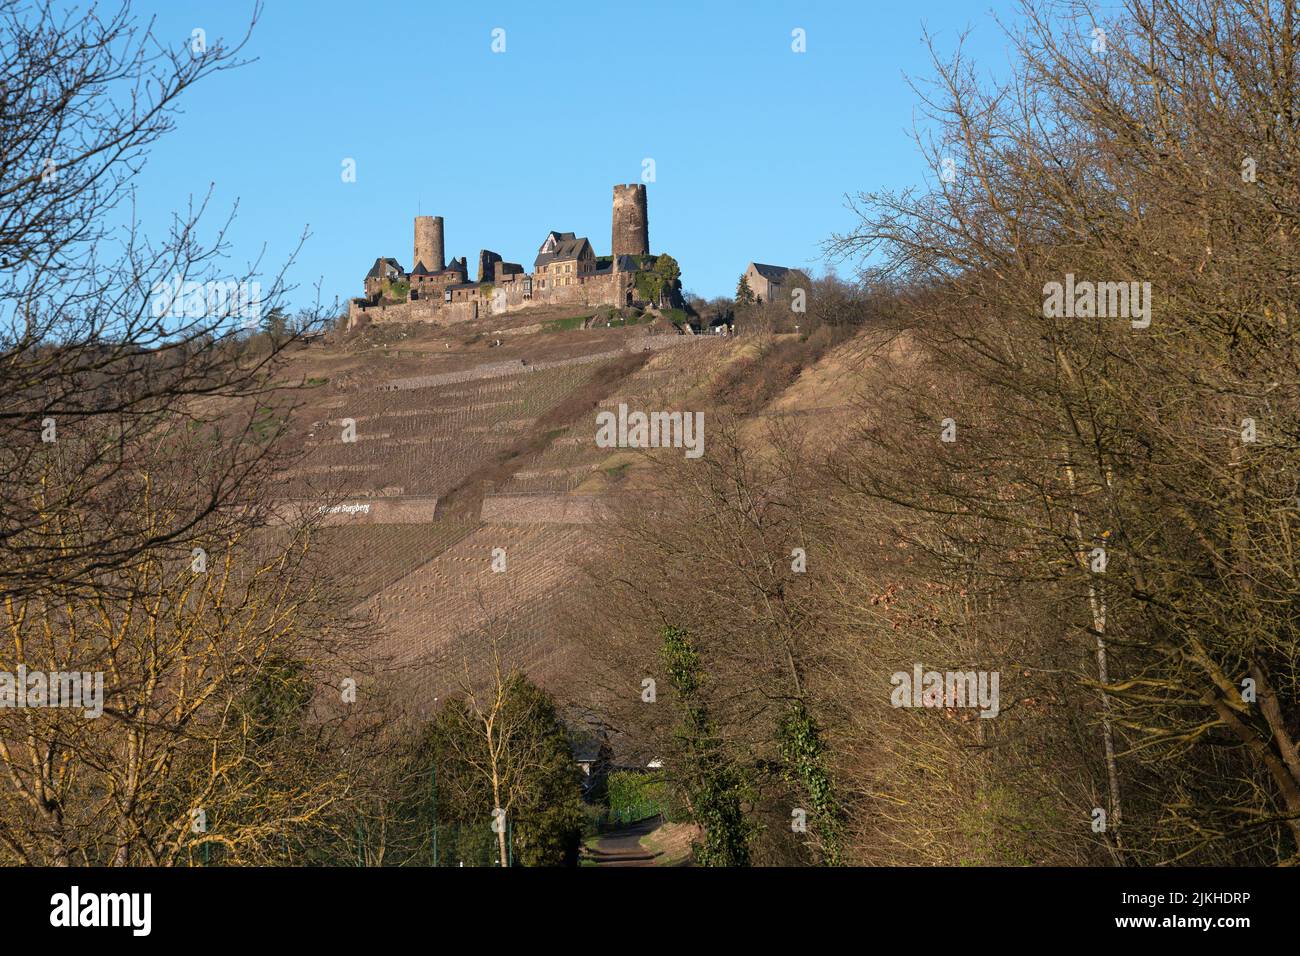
[428,243]
[631,221]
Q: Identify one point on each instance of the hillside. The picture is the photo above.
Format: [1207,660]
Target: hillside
[463,446]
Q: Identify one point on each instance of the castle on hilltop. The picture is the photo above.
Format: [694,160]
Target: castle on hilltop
[566,271]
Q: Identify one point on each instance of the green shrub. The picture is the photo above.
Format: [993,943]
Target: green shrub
[637,796]
[649,285]
[565,325]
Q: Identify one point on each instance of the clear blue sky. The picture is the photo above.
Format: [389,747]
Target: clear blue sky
[754,145]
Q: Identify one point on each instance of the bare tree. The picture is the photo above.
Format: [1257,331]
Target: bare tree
[112,343]
[1110,445]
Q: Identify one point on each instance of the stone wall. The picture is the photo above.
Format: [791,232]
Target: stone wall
[505,271]
[543,508]
[605,288]
[408,509]
[422,310]
[487,260]
[458,311]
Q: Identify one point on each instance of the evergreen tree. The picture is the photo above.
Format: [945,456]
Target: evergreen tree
[744,294]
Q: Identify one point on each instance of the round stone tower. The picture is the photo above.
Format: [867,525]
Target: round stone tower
[631,221]
[428,243]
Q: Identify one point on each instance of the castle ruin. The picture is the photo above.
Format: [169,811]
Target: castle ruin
[566,271]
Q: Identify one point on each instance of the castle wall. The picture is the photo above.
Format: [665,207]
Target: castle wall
[458,312]
[506,271]
[487,262]
[433,286]
[608,288]
[421,310]
[508,294]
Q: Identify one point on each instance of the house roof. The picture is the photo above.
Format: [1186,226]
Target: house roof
[771,273]
[566,246]
[589,742]
[377,270]
[420,270]
[588,751]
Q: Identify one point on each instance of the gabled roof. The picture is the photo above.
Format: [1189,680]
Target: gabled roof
[565,246]
[589,740]
[377,270]
[771,273]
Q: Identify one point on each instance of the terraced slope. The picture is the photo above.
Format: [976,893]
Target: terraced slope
[370,558]
[440,619]
[424,441]
[572,462]
[477,416]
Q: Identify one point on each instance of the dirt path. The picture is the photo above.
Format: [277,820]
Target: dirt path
[622,847]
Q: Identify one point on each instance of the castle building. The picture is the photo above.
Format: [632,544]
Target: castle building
[384,270]
[768,282]
[566,271]
[563,260]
